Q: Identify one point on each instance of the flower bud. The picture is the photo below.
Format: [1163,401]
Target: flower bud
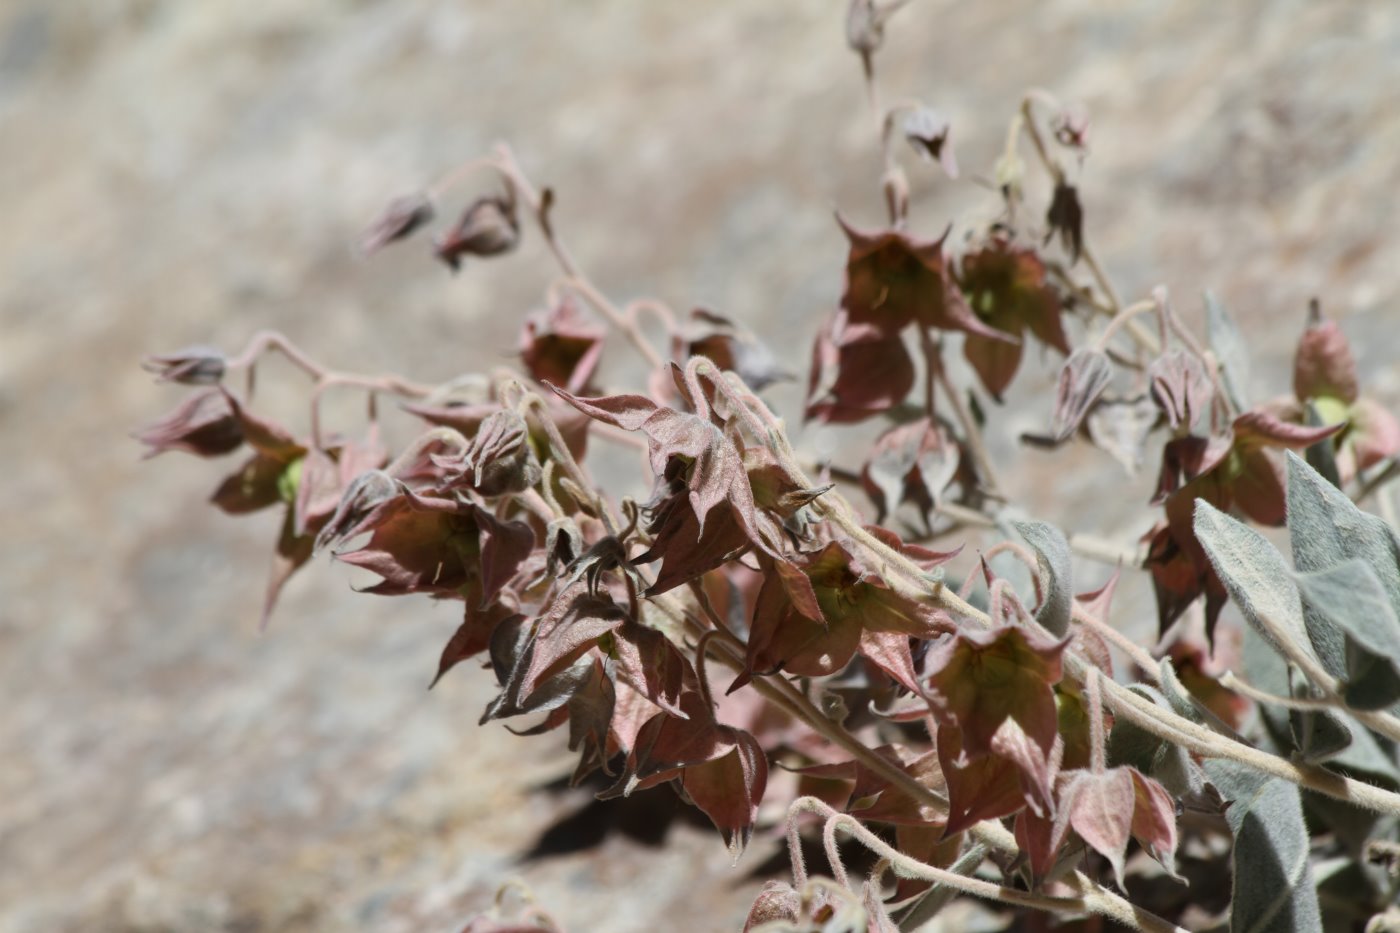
[865,27]
[489,227]
[366,492]
[192,366]
[204,425]
[930,133]
[402,217]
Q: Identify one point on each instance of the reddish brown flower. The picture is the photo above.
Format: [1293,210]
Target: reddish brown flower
[723,770]
[894,279]
[561,346]
[856,373]
[204,424]
[1007,289]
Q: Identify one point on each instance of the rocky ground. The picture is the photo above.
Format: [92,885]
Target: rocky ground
[177,172]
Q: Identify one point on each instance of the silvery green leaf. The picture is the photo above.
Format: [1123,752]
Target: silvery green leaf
[1319,735]
[1055,570]
[1351,597]
[1273,887]
[1353,825]
[1231,351]
[1176,693]
[1368,758]
[1166,762]
[1315,735]
[1257,577]
[1372,683]
[1327,528]
[1321,456]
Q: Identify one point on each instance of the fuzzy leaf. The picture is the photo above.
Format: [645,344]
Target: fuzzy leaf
[1350,596]
[1055,570]
[1273,887]
[1326,529]
[1165,762]
[1231,351]
[1256,576]
[1318,735]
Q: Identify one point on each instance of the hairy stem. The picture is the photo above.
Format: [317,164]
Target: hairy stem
[1094,900]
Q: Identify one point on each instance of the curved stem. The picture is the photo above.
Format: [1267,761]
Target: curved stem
[1139,655]
[1124,318]
[1229,681]
[391,384]
[625,324]
[1094,899]
[575,279]
[1178,730]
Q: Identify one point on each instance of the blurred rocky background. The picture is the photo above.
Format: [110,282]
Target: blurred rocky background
[180,172]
